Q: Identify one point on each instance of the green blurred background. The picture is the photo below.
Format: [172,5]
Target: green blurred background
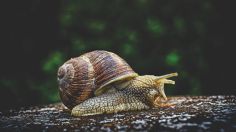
[191,37]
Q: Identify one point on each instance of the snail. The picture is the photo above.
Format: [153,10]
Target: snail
[100,82]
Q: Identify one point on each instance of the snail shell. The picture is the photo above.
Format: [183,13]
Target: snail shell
[86,76]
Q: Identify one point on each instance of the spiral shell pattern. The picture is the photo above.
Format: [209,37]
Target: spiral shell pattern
[85,76]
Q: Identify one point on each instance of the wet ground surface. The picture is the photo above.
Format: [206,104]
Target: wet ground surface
[198,113]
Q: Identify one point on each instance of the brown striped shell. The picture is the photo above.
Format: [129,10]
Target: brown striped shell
[85,76]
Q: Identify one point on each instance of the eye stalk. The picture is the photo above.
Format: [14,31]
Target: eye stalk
[161,80]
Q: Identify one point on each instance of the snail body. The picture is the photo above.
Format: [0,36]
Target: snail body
[101,82]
